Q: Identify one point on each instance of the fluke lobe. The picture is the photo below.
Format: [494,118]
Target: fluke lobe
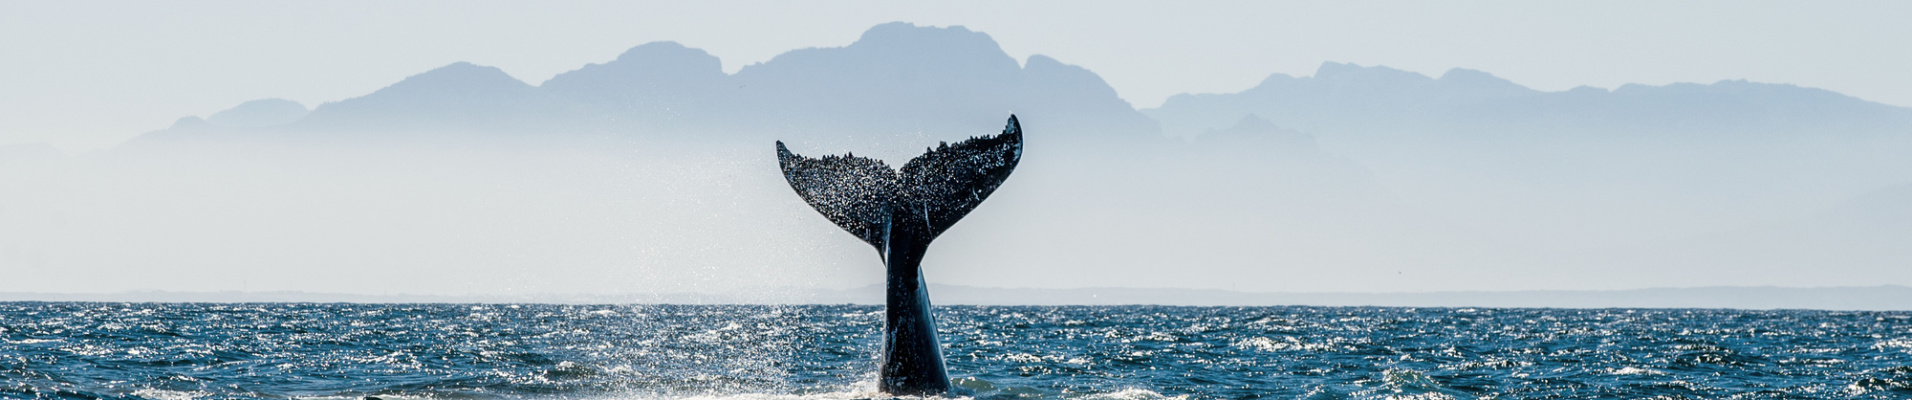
[900,212]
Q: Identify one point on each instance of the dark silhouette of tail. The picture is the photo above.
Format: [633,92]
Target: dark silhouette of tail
[900,212]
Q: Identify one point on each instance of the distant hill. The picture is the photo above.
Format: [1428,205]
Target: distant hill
[458,96]
[260,113]
[1685,157]
[1352,99]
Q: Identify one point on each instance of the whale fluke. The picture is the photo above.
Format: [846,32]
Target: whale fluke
[940,187]
[853,192]
[899,212]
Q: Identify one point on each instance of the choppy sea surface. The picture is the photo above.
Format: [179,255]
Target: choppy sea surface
[396,351]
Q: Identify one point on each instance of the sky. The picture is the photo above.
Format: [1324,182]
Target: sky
[87,75]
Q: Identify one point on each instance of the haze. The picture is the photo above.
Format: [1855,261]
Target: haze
[437,149]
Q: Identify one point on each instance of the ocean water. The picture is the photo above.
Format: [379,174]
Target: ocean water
[459,351]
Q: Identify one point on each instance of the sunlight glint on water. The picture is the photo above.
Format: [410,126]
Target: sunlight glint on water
[219,351]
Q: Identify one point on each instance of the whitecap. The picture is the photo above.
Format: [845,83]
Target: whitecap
[1287,343]
[1634,371]
[1901,343]
[162,394]
[1133,394]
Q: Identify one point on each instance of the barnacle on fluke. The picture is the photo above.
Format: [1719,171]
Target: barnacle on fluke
[899,212]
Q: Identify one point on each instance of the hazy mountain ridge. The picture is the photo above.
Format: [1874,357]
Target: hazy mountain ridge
[896,78]
[461,95]
[935,82]
[1690,156]
[1345,97]
[655,168]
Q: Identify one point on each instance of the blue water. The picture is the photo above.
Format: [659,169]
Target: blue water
[220,351]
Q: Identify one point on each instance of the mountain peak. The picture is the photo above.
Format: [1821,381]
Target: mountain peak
[897,50]
[1252,123]
[1350,71]
[459,76]
[188,122]
[259,113]
[467,93]
[906,34]
[656,50]
[456,80]
[650,69]
[664,57]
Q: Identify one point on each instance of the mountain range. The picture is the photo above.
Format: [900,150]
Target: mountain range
[1351,98]
[903,78]
[896,78]
[1359,178]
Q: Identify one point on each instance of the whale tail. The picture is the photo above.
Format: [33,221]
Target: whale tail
[900,212]
[864,196]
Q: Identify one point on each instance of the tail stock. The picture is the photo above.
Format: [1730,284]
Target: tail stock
[900,212]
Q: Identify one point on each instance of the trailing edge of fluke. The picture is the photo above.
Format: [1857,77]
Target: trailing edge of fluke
[899,212]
